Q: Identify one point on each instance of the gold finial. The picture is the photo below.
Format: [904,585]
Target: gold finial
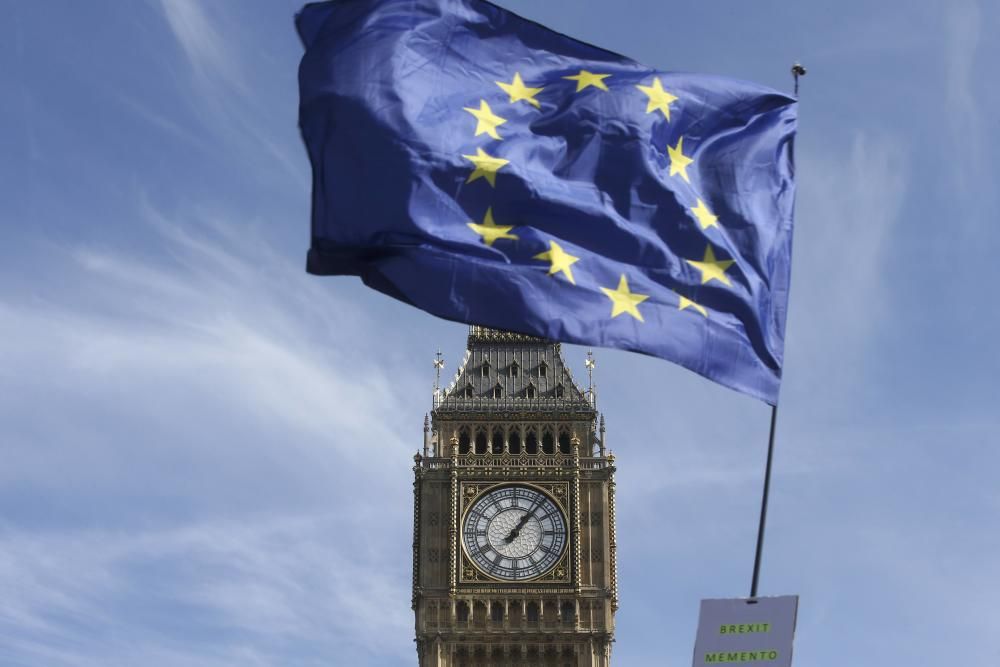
[590,363]
[438,365]
[797,71]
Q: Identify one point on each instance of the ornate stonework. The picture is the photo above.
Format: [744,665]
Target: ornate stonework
[514,442]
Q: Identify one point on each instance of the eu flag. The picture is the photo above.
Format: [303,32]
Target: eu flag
[488,170]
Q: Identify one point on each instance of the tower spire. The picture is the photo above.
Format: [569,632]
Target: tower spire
[590,363]
[438,365]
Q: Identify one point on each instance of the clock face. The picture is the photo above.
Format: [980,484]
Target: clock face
[514,533]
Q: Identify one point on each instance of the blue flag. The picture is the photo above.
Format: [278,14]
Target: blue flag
[488,170]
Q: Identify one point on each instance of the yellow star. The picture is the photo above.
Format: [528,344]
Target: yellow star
[487,120]
[624,301]
[585,79]
[560,259]
[705,217]
[678,161]
[658,98]
[518,91]
[487,166]
[686,303]
[711,268]
[490,230]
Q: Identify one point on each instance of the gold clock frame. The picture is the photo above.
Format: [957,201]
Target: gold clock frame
[559,574]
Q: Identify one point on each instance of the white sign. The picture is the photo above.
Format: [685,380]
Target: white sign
[757,631]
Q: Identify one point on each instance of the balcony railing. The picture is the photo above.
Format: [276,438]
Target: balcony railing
[514,404]
[515,461]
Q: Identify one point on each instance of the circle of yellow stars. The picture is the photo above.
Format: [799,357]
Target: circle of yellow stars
[561,261]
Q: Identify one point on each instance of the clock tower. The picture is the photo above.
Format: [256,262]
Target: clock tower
[514,514]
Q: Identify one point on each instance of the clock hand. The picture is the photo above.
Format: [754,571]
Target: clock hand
[520,524]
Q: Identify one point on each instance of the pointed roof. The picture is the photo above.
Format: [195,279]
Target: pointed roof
[512,371]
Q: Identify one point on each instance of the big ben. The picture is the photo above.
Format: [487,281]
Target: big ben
[514,556]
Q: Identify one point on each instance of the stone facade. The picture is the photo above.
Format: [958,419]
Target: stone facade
[514,421]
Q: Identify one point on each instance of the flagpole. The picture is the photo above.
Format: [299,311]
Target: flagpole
[763,504]
[797,71]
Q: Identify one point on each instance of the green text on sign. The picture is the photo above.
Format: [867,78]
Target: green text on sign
[740,656]
[744,628]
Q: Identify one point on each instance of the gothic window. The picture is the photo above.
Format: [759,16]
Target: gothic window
[516,612]
[559,391]
[486,369]
[531,612]
[479,614]
[531,442]
[543,369]
[463,441]
[462,612]
[529,392]
[563,442]
[469,391]
[497,446]
[567,612]
[496,612]
[432,613]
[514,441]
[481,442]
[514,368]
[548,443]
[498,391]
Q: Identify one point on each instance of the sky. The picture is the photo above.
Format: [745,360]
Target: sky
[205,453]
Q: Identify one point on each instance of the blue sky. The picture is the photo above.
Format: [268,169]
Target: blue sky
[206,452]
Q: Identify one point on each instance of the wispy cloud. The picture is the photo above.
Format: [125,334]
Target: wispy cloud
[270,591]
[211,421]
[206,48]
[963,31]
[217,54]
[849,207]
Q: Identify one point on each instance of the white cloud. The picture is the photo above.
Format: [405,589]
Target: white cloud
[225,97]
[963,30]
[849,207]
[225,311]
[213,424]
[205,47]
[209,593]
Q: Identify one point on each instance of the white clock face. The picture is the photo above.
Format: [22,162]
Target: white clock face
[514,533]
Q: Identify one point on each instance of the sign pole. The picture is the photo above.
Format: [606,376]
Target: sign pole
[763,504]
